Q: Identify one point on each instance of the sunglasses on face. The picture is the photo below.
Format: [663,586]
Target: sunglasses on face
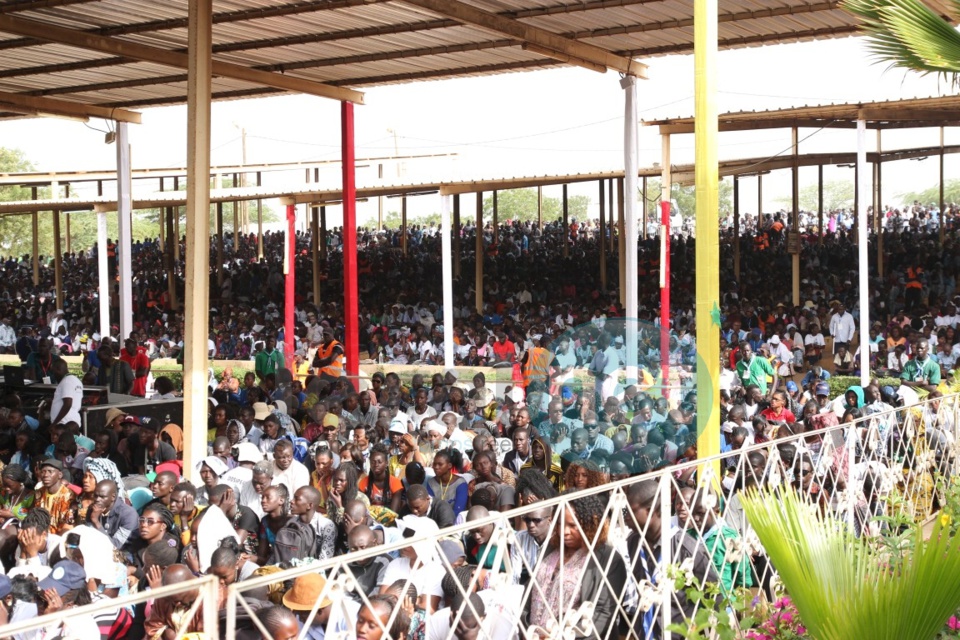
[532,521]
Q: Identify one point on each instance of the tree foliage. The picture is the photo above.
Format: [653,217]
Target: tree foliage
[16,231]
[951,193]
[685,198]
[837,194]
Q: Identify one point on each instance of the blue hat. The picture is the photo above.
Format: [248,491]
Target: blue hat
[66,576]
[6,586]
[791,386]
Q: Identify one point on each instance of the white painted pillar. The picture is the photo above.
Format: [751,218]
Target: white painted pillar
[103,269]
[125,241]
[447,262]
[631,168]
[863,199]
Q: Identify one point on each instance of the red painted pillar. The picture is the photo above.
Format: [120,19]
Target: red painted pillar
[351,311]
[289,291]
[665,295]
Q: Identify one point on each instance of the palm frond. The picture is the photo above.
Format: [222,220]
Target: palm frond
[908,34]
[843,586]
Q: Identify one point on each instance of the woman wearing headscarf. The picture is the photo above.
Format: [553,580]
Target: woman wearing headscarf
[409,452]
[172,434]
[210,470]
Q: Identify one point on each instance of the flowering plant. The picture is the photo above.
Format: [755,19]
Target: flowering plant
[777,621]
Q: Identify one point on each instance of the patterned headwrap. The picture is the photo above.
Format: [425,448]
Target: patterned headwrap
[104,469]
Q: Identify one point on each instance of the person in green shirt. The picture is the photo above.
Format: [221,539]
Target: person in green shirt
[724,545]
[754,370]
[921,371]
[269,360]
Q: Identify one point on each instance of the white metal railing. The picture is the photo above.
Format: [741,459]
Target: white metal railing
[886,464]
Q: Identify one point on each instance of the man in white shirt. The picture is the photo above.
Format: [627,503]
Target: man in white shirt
[783,356]
[68,396]
[288,471]
[842,326]
[8,337]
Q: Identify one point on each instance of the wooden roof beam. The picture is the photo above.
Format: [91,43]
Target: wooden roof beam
[545,40]
[881,114]
[52,33]
[34,105]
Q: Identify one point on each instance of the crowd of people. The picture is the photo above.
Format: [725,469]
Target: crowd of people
[301,465]
[307,470]
[530,288]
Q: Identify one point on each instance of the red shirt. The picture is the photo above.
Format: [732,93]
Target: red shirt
[505,351]
[138,361]
[785,416]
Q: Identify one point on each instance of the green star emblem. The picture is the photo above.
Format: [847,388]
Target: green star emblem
[715,314]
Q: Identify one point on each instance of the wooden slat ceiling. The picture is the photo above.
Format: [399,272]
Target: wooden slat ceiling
[359,43]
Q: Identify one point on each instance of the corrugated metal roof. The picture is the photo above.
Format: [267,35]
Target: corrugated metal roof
[365,42]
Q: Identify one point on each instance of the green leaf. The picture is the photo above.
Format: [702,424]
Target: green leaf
[841,585]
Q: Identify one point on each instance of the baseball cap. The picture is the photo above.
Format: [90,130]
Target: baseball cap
[823,389]
[397,426]
[792,386]
[452,549]
[66,576]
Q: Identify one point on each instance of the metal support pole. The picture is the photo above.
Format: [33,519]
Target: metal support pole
[170,263]
[323,233]
[197,268]
[736,228]
[611,215]
[315,251]
[643,230]
[759,202]
[863,187]
[350,293]
[456,236]
[380,199]
[666,180]
[540,207]
[795,213]
[630,168]
[878,201]
[622,244]
[478,252]
[57,260]
[36,248]
[820,201]
[259,222]
[446,260]
[103,273]
[125,231]
[403,225]
[236,220]
[496,222]
[602,239]
[566,225]
[289,284]
[943,219]
[221,258]
[66,236]
[708,229]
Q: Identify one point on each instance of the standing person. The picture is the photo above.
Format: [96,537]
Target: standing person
[328,360]
[68,396]
[604,367]
[139,363]
[113,373]
[269,359]
[537,363]
[754,370]
[842,327]
[592,571]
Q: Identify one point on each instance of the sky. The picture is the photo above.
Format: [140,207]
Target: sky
[522,124]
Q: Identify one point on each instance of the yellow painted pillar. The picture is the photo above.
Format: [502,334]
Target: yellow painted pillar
[708,229]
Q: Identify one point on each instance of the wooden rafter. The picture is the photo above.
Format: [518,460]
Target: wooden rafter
[566,50]
[51,33]
[33,105]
